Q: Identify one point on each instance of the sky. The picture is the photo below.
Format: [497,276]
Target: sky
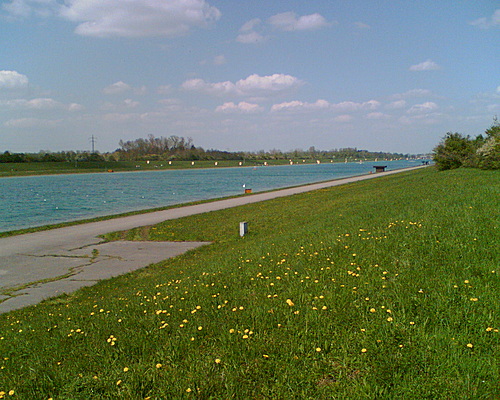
[247,75]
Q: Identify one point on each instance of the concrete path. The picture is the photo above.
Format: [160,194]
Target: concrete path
[45,264]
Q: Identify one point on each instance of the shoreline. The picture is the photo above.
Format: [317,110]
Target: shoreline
[41,228]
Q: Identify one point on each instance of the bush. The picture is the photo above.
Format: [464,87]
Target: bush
[454,151]
[489,152]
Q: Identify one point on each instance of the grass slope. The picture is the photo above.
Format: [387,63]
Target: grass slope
[386,288]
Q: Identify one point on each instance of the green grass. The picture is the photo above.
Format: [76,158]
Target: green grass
[382,289]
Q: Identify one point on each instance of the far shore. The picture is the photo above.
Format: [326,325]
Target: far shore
[61,168]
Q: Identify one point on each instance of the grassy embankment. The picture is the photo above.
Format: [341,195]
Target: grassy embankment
[49,168]
[386,288]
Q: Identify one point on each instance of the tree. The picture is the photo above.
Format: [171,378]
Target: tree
[489,153]
[454,151]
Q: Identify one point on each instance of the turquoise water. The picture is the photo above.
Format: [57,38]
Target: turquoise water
[41,200]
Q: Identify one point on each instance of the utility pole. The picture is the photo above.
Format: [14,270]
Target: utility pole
[92,140]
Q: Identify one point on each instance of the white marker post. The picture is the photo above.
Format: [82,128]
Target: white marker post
[243,228]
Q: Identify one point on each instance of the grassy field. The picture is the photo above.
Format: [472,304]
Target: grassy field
[48,168]
[382,289]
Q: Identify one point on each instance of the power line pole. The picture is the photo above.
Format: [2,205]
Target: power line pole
[93,140]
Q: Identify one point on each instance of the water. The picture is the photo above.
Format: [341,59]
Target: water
[41,200]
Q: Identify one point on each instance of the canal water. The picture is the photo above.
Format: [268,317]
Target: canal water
[41,200]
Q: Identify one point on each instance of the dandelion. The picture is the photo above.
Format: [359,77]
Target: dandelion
[200,328]
[158,366]
[217,361]
[265,356]
[188,390]
[412,323]
[363,350]
[11,393]
[470,345]
[372,310]
[118,382]
[290,302]
[125,369]
[318,349]
[390,319]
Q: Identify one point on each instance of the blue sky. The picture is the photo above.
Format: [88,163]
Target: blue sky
[252,75]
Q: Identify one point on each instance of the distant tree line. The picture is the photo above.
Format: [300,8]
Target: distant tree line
[175,147]
[48,156]
[456,150]
[179,148]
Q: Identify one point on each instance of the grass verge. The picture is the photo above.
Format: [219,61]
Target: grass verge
[385,288]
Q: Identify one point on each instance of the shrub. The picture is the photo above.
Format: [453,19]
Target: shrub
[454,151]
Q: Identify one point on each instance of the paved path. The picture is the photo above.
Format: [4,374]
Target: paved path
[40,265]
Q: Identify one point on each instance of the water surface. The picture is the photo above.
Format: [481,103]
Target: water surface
[41,200]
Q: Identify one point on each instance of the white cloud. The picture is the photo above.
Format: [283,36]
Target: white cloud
[40,104]
[344,107]
[250,37]
[117,88]
[428,65]
[250,86]
[377,115]
[12,80]
[299,105]
[288,21]
[344,118]
[241,107]
[250,25]
[125,104]
[397,104]
[426,107]
[350,106]
[26,8]
[488,22]
[138,18]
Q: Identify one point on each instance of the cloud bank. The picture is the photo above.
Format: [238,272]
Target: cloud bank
[123,18]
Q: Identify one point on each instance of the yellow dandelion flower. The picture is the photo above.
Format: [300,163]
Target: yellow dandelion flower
[363,350]
[188,390]
[390,319]
[217,361]
[125,369]
[118,382]
[245,336]
[470,345]
[265,356]
[318,349]
[200,328]
[372,310]
[158,366]
[11,393]
[290,302]
[231,330]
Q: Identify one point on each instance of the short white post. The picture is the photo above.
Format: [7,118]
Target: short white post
[243,228]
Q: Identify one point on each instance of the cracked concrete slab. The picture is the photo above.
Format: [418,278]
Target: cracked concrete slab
[68,271]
